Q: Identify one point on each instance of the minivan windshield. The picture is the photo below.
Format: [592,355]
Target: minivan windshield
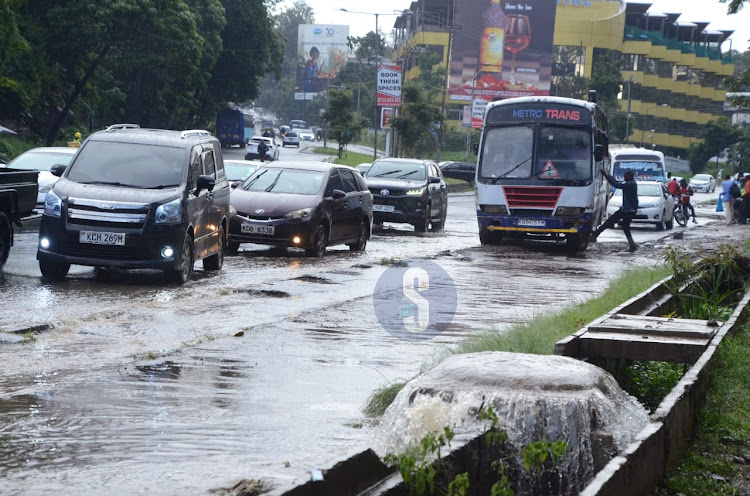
[291,181]
[393,169]
[128,164]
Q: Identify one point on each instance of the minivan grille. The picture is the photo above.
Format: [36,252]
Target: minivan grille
[105,252]
[531,196]
[98,213]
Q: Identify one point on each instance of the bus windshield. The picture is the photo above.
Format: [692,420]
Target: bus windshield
[507,152]
[563,153]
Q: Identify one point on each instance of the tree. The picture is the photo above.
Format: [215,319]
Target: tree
[716,137]
[418,114]
[160,63]
[342,123]
[606,80]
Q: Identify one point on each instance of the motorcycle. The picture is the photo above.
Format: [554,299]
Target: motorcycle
[681,212]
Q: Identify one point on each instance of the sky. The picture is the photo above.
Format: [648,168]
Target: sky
[326,12]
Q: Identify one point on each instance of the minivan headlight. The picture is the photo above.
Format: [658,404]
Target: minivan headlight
[299,214]
[169,213]
[415,192]
[52,204]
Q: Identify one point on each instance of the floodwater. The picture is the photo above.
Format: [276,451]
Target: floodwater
[259,371]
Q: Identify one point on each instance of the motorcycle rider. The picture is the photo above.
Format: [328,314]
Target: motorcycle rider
[685,192]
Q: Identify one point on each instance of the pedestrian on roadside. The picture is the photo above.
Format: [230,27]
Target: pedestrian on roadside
[745,209]
[628,209]
[726,197]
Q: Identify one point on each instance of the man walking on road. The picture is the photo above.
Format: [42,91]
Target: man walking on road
[726,197]
[628,209]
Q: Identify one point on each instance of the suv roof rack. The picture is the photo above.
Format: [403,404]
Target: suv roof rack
[194,132]
[117,127]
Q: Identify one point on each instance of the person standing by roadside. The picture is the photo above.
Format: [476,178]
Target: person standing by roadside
[726,197]
[628,209]
[745,208]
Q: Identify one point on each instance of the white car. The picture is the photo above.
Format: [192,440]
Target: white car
[703,182]
[306,135]
[42,159]
[251,149]
[655,205]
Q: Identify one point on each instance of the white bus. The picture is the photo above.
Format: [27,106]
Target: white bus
[539,170]
[647,165]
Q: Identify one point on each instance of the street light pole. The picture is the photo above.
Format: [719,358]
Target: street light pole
[627,122]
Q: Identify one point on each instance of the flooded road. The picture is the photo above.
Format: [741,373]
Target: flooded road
[259,371]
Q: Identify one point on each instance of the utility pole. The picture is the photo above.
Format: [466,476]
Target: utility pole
[627,122]
[445,90]
[376,121]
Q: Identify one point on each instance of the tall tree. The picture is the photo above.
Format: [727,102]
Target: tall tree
[343,125]
[418,113]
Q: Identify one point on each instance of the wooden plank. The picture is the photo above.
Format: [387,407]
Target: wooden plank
[648,348]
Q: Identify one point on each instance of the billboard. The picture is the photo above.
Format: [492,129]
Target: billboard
[478,109]
[504,50]
[389,86]
[386,114]
[321,51]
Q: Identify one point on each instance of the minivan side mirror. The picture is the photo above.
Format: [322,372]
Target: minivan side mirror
[58,169]
[475,147]
[434,180]
[598,153]
[338,194]
[205,182]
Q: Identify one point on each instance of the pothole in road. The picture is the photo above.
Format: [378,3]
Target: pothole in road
[314,279]
[271,293]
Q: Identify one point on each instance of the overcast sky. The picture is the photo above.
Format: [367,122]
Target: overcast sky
[326,12]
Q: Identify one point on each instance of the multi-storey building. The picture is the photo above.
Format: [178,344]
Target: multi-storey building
[672,70]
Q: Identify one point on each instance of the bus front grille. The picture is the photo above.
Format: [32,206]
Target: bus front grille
[531,196]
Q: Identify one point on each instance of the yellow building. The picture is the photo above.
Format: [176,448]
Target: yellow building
[673,70]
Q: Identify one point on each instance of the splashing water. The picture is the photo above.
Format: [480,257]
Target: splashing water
[536,397]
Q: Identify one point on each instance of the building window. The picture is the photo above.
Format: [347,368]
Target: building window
[632,62]
[695,76]
[680,72]
[568,60]
[650,66]
[665,69]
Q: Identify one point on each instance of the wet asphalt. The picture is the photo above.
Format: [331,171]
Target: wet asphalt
[258,371]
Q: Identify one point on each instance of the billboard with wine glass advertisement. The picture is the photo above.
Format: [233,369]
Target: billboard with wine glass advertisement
[503,50]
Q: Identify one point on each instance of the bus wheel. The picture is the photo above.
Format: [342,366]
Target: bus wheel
[490,237]
[578,242]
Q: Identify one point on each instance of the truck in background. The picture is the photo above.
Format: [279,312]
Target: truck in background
[18,192]
[230,128]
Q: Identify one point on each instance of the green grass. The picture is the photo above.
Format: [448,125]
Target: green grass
[722,440]
[540,335]
[347,158]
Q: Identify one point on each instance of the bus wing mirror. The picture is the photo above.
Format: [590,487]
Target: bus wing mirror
[475,147]
[598,153]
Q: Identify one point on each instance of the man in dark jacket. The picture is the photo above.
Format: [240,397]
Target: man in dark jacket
[628,209]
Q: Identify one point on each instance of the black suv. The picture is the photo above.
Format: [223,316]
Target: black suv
[138,198]
[409,191]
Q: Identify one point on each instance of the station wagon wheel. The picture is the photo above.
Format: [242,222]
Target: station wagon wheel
[233,248]
[424,224]
[214,262]
[53,270]
[182,274]
[318,248]
[361,238]
[440,225]
[4,239]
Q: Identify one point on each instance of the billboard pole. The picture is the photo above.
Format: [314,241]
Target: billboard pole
[375,107]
